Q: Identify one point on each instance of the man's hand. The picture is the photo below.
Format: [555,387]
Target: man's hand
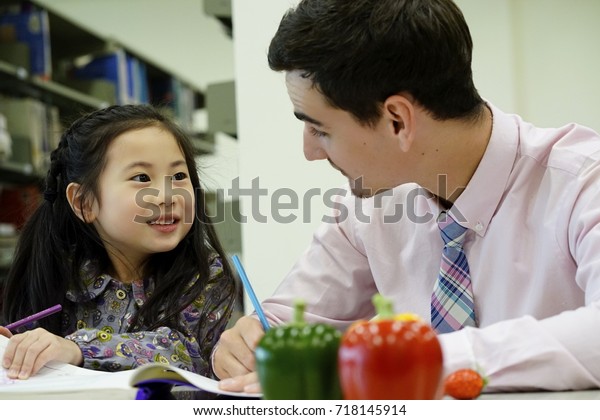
[234,355]
[27,353]
[243,383]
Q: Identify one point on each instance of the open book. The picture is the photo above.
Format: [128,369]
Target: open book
[63,381]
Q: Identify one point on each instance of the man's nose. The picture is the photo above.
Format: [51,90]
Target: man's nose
[312,147]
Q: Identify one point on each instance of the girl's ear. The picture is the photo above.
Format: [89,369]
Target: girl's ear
[401,112]
[82,209]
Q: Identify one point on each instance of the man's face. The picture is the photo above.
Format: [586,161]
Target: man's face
[368,156]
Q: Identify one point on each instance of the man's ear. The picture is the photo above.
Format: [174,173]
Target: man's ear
[400,111]
[82,209]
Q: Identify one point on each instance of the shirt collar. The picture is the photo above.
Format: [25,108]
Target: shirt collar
[95,283]
[477,204]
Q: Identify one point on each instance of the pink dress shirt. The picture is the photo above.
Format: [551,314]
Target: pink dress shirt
[533,245]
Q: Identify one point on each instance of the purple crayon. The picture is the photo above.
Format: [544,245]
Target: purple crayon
[35,317]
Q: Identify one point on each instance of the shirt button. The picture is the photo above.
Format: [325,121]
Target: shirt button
[479,227]
[121,294]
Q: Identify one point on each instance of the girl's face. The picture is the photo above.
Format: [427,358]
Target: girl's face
[146,198]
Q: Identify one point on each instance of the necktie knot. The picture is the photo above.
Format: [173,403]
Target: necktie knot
[452,233]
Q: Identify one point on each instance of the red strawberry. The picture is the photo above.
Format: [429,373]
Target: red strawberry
[464,384]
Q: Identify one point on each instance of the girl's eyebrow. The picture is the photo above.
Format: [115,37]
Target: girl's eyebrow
[149,165]
[178,163]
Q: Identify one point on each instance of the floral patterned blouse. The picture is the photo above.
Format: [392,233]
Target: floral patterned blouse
[104,312]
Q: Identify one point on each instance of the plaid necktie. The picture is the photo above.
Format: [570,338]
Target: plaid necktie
[452,299]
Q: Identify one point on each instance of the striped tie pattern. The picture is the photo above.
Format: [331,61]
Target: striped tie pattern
[452,298]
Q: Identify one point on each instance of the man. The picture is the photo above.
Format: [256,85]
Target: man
[385,90]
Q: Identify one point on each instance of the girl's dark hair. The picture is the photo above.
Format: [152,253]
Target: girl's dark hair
[54,243]
[360,52]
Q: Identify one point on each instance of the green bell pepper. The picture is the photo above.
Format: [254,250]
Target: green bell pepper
[298,361]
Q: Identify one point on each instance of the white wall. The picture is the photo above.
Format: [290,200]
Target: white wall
[536,57]
[493,57]
[558,61]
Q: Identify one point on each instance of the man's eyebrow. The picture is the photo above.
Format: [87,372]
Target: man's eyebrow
[304,117]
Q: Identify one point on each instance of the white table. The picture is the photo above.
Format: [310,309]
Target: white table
[592,394]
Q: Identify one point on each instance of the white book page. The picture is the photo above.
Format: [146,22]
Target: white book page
[154,371]
[61,379]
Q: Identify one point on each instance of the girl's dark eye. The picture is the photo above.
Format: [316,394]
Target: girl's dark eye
[141,178]
[180,176]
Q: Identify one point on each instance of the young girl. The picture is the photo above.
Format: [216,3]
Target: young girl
[123,242]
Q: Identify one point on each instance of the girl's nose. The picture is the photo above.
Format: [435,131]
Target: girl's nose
[165,192]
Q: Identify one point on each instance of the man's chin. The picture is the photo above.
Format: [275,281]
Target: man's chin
[359,192]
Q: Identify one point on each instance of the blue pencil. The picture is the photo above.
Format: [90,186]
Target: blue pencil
[250,291]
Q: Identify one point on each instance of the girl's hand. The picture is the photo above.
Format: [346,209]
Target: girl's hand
[5,332]
[27,353]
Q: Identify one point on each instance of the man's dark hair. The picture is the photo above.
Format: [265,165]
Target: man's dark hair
[360,52]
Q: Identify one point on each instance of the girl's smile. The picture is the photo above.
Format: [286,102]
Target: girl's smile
[164,225]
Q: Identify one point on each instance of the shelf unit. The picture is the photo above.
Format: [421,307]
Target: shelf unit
[15,80]
[68,40]
[17,173]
